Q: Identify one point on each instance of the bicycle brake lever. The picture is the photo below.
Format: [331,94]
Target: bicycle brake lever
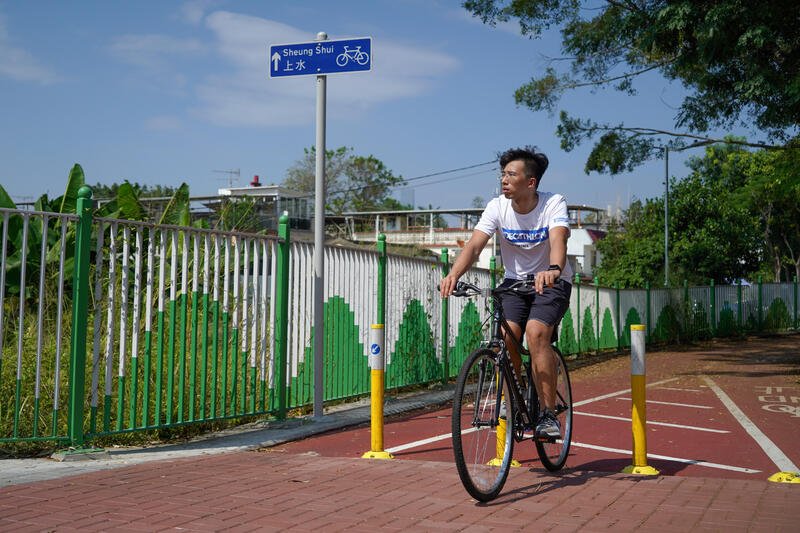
[460,289]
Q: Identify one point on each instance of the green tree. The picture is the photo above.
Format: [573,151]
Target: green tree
[767,184]
[772,193]
[740,63]
[713,233]
[103,191]
[352,183]
[390,204]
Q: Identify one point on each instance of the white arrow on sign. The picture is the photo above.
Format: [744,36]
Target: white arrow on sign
[276,57]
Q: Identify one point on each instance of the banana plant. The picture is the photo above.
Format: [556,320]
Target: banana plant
[126,206]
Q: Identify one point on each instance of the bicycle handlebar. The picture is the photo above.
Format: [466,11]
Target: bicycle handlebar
[467,289]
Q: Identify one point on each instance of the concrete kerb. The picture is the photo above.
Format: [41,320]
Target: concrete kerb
[251,436]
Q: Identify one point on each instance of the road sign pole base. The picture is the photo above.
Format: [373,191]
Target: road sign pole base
[640,470]
[377,455]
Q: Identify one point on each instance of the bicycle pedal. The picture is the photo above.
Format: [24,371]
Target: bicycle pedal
[546,440]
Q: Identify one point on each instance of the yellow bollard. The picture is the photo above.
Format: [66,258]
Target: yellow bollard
[638,411]
[500,445]
[377,363]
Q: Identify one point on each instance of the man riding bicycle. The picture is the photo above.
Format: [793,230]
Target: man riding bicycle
[533,227]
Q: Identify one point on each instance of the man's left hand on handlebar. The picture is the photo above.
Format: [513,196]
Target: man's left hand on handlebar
[546,278]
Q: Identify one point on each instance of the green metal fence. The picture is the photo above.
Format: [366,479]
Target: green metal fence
[600,317]
[168,325]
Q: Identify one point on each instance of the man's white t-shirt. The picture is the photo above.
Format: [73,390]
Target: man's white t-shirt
[525,238]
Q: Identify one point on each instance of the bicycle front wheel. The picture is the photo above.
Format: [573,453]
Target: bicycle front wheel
[483,436]
[554,454]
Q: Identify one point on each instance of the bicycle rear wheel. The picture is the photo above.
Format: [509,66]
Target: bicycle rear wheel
[554,454]
[483,436]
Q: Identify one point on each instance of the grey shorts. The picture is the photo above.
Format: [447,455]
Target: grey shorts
[547,307]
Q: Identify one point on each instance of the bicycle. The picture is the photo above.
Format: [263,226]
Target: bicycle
[354,54]
[488,395]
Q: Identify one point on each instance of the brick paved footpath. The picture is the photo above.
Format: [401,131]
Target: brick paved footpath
[273,491]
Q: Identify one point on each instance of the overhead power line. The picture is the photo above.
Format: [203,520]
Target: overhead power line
[431,175]
[446,179]
[451,171]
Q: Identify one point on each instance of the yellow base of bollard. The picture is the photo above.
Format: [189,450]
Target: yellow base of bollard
[641,470]
[498,462]
[785,477]
[377,455]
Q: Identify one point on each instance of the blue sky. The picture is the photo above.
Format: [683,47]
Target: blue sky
[161,92]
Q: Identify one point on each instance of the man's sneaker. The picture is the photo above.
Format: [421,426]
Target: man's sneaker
[549,427]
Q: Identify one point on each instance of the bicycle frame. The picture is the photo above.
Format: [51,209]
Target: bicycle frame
[500,324]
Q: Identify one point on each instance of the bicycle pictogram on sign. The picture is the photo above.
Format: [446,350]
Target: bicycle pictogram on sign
[352,54]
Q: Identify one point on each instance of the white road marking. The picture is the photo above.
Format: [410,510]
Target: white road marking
[675,404]
[783,463]
[695,428]
[681,390]
[612,394]
[424,441]
[590,446]
[668,458]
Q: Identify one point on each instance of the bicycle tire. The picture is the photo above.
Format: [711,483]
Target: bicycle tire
[344,59]
[362,58]
[483,460]
[554,454]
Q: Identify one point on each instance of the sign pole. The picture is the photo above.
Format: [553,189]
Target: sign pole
[319,243]
[319,58]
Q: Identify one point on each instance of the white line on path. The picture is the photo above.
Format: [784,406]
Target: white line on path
[612,394]
[783,463]
[593,447]
[675,404]
[680,426]
[681,390]
[668,458]
[425,441]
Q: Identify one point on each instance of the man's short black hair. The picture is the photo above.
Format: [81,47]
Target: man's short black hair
[535,162]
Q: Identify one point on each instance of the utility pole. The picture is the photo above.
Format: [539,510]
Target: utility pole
[666,216]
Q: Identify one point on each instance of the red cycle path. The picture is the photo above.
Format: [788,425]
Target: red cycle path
[760,377]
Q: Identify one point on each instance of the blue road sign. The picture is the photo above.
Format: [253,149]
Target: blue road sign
[320,57]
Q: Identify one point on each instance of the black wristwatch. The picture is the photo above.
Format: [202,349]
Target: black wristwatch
[555,267]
